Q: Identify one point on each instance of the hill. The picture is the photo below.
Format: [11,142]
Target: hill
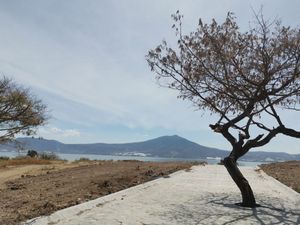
[165,146]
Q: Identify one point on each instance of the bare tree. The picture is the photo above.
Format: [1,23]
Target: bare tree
[20,111]
[240,76]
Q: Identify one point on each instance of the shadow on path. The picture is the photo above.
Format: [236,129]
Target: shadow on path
[220,209]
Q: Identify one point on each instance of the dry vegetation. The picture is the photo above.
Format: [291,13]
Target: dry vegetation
[40,159]
[285,172]
[23,161]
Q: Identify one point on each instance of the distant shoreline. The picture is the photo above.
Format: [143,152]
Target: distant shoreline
[73,157]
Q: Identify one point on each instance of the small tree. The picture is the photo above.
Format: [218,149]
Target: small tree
[20,111]
[240,76]
[32,153]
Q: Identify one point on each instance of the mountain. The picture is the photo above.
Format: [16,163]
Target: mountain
[165,146]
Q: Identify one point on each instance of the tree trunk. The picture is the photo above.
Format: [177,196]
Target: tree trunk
[248,199]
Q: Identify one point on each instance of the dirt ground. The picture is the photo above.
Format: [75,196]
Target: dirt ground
[29,191]
[286,172]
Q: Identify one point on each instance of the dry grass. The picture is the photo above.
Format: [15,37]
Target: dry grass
[25,161]
[286,172]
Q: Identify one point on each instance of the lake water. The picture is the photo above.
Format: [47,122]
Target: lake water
[72,157]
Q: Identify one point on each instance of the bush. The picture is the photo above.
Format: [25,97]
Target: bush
[84,159]
[48,156]
[32,153]
[4,158]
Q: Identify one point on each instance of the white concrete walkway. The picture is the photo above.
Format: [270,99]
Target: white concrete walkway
[204,195]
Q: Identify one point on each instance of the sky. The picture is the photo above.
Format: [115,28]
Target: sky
[86,60]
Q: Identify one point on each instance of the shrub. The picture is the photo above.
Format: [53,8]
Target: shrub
[84,159]
[32,153]
[4,158]
[48,156]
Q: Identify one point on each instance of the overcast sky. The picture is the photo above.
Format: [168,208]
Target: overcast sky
[86,60]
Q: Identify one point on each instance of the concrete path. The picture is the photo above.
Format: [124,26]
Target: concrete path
[204,195]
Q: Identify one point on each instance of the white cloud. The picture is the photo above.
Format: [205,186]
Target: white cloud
[51,132]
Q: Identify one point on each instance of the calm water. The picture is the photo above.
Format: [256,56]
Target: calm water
[72,157]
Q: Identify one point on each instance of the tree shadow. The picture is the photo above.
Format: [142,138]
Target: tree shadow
[264,213]
[220,209]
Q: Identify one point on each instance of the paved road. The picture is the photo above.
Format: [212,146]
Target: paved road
[204,195]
